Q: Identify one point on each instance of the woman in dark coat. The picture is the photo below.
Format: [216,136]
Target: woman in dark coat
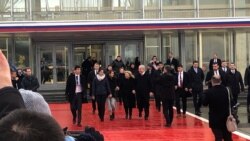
[133,69]
[101,90]
[128,93]
[120,78]
[114,88]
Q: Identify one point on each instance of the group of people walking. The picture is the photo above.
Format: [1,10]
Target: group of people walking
[167,82]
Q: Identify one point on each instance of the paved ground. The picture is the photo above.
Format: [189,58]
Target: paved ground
[244,117]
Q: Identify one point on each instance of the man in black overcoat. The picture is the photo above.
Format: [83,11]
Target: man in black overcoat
[196,78]
[181,87]
[143,91]
[215,71]
[75,90]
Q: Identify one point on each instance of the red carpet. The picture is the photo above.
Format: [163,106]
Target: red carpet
[188,129]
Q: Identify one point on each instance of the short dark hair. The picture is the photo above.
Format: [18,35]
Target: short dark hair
[101,69]
[215,63]
[195,61]
[77,67]
[168,68]
[216,79]
[26,125]
[28,68]
[160,63]
[180,65]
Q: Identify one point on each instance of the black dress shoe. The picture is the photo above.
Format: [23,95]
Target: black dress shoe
[168,125]
[140,115]
[198,113]
[102,120]
[146,118]
[79,125]
[74,121]
[126,117]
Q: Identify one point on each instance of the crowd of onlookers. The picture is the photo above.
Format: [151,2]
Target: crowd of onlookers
[25,115]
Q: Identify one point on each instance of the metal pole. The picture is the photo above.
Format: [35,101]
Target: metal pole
[12,10]
[30,9]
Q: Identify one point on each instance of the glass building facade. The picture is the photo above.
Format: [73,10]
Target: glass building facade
[61,50]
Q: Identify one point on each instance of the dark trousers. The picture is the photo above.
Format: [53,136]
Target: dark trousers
[197,99]
[168,110]
[248,97]
[157,99]
[220,134]
[143,103]
[76,107]
[101,99]
[235,98]
[128,111]
[93,105]
[180,94]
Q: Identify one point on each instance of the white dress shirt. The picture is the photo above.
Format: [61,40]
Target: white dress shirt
[180,79]
[78,84]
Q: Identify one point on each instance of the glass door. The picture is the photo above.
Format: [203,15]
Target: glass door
[53,62]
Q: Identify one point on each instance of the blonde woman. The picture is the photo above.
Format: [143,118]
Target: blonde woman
[128,93]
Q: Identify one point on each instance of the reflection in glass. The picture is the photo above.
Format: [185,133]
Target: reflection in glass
[22,52]
[46,67]
[170,44]
[152,46]
[191,49]
[61,64]
[214,42]
[112,52]
[130,52]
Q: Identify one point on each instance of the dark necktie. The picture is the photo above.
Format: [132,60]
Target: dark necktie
[77,82]
[181,81]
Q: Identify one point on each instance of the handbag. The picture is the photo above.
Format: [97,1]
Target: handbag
[231,121]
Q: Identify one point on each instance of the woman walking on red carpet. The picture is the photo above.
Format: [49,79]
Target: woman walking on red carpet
[101,91]
[128,94]
[111,101]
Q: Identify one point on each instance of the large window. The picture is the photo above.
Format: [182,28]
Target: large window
[214,8]
[215,42]
[152,46]
[5,46]
[169,44]
[22,52]
[177,2]
[191,49]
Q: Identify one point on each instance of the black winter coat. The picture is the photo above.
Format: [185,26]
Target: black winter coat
[101,87]
[217,100]
[30,83]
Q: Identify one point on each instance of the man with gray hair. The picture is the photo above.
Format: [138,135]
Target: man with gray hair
[143,90]
[217,99]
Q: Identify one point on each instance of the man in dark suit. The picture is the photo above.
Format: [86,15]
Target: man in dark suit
[30,82]
[196,78]
[247,83]
[181,87]
[171,61]
[224,66]
[75,90]
[235,82]
[167,94]
[214,60]
[91,77]
[156,85]
[86,66]
[217,100]
[143,90]
[215,71]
